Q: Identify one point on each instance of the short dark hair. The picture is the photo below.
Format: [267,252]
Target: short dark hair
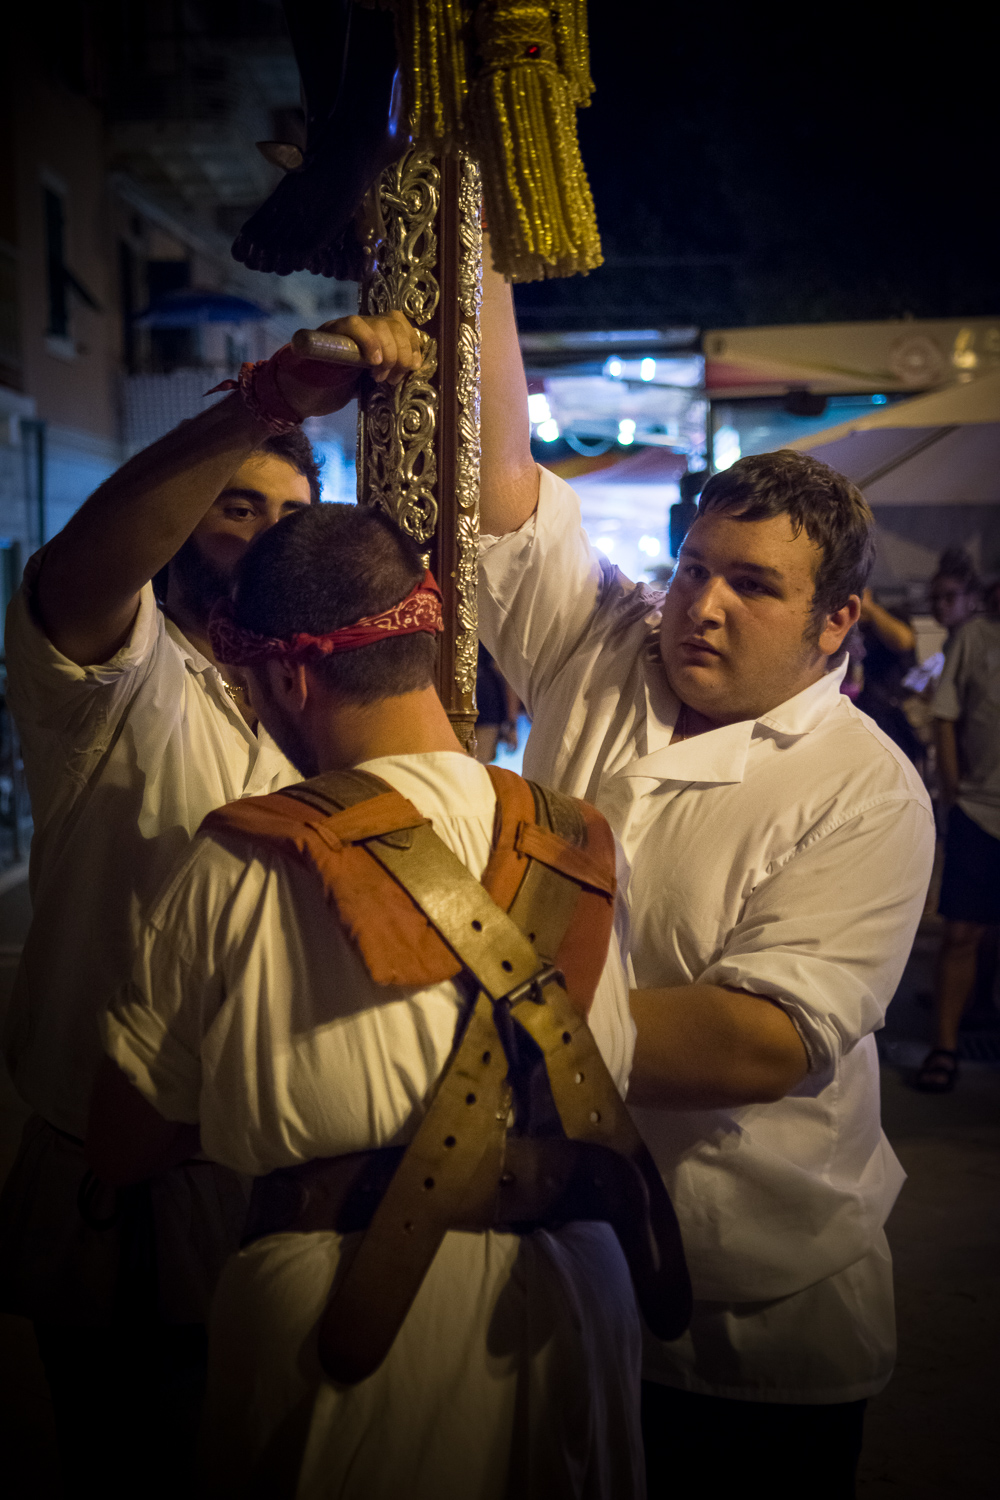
[296,449]
[829,508]
[328,566]
[956,564]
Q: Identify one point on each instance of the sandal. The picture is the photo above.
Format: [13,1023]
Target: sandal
[939,1072]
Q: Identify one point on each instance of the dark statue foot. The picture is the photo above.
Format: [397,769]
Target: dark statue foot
[347,59]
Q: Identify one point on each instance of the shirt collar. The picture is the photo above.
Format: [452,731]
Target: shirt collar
[798,715]
[719,755]
[192,656]
[267,761]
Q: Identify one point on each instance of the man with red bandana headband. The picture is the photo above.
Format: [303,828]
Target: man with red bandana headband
[131,734]
[294,1003]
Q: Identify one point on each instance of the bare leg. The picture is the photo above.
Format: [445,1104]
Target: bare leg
[956,975]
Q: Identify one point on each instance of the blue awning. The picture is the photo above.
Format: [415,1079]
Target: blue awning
[190,308]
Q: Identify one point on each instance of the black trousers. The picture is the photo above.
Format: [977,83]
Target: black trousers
[711,1448]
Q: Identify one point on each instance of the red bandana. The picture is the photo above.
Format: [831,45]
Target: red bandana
[419,611]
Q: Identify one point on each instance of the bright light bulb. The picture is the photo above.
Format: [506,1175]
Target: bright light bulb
[614,368]
[605,544]
[626,431]
[726,448]
[647,369]
[548,431]
[538,408]
[650,545]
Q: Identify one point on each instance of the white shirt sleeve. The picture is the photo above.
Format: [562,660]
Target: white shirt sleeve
[826,935]
[540,588]
[57,704]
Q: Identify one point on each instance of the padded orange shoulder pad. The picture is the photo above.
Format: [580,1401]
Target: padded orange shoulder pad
[518,839]
[394,938]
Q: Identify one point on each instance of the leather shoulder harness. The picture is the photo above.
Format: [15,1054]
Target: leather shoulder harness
[525,1127]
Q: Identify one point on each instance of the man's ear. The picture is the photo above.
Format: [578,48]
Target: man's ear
[837,625]
[289,683]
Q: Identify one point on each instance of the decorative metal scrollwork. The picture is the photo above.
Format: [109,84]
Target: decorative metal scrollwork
[420,203]
[396,441]
[470,296]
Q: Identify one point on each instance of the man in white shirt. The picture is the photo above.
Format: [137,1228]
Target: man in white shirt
[251,1015]
[131,734]
[780,848]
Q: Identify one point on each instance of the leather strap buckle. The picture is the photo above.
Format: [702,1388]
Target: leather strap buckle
[532,988]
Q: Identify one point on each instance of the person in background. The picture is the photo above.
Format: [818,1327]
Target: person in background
[498,706]
[955,590]
[954,595]
[966,709]
[889,644]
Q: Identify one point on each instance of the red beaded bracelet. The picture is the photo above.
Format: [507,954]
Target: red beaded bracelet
[260,395]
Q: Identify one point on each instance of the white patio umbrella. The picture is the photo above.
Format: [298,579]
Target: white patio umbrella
[938,449]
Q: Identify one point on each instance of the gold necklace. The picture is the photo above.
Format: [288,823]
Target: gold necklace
[234,689]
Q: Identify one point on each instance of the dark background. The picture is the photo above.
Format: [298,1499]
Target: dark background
[786,164]
[749,164]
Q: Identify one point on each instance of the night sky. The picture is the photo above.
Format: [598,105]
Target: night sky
[801,166]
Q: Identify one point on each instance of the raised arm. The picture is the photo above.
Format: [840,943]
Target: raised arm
[89,584]
[895,634]
[509,478]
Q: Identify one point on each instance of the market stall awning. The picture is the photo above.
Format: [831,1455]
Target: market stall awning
[622,466]
[831,358]
[938,449]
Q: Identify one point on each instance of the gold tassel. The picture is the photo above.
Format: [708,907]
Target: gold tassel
[432,41]
[569,19]
[514,106]
[522,112]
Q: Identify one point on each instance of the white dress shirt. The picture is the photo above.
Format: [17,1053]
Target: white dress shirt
[123,760]
[787,856]
[250,1012]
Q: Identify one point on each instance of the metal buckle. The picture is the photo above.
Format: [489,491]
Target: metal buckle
[532,988]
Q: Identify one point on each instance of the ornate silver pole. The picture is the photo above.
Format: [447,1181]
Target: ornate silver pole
[418,445]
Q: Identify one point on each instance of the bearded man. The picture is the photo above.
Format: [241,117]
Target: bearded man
[131,734]
[780,847]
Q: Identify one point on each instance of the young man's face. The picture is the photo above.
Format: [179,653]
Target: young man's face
[738,635]
[951,606]
[263,490]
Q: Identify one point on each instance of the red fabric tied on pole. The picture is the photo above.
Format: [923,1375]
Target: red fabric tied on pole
[419,612]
